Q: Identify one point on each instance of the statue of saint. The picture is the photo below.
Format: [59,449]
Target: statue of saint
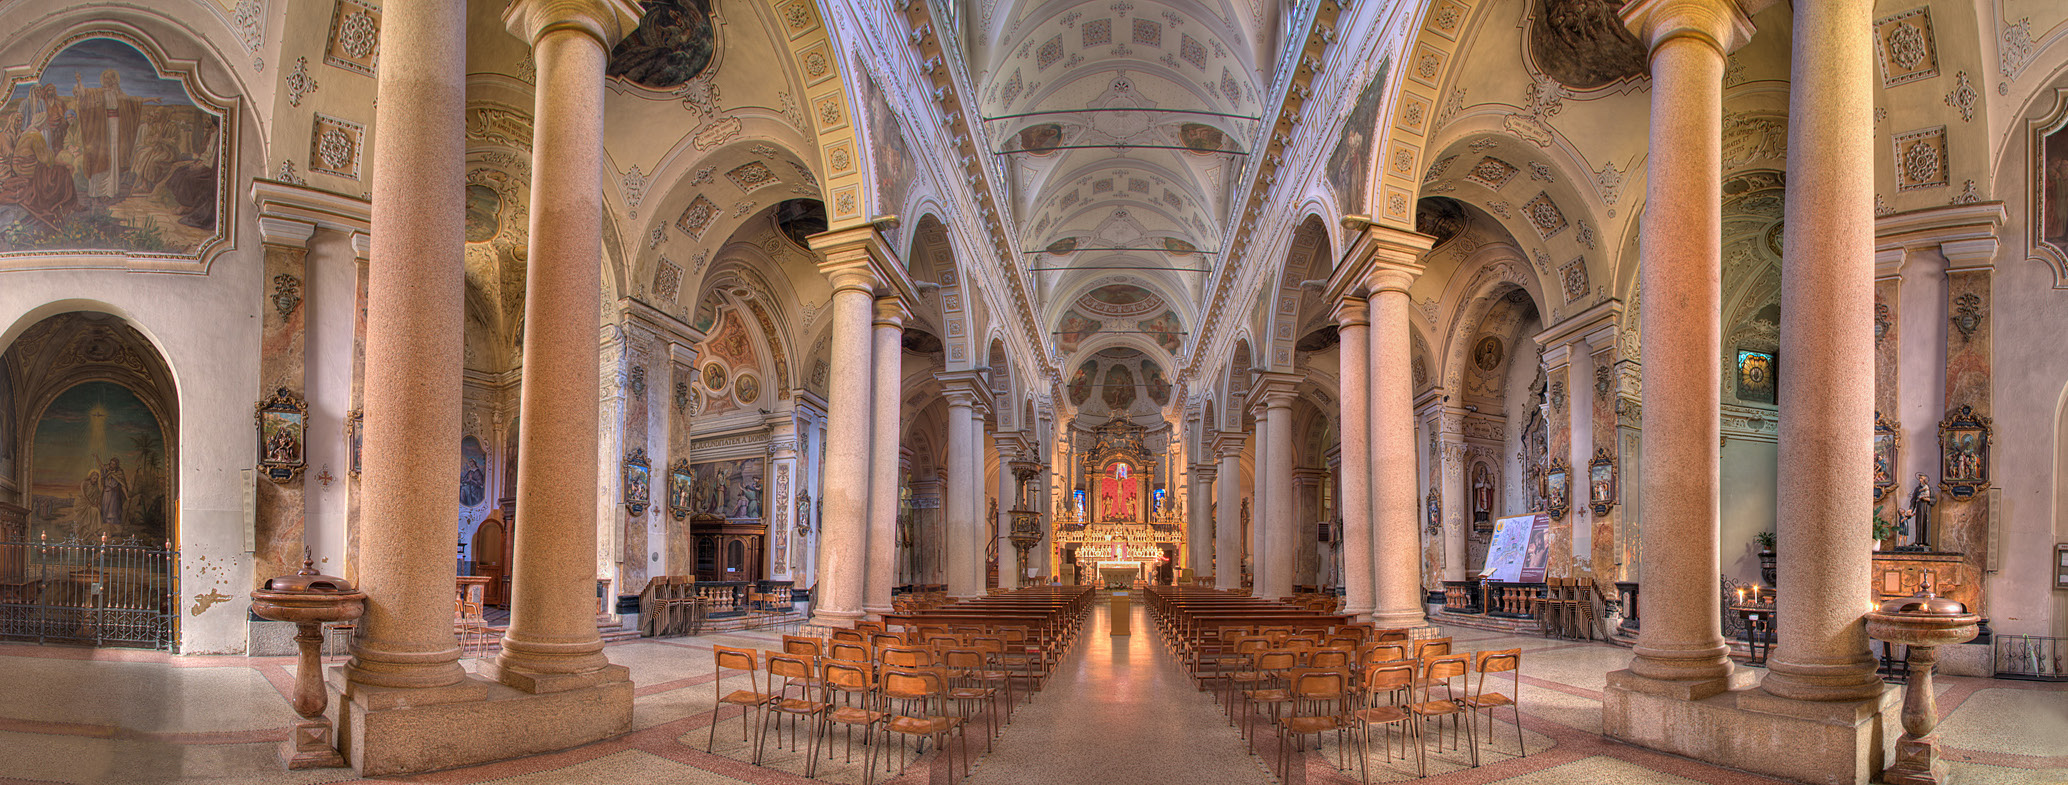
[1921,503]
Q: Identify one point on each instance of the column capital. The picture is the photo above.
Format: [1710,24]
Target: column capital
[1204,471]
[890,312]
[1722,24]
[1353,311]
[1229,443]
[607,21]
[965,388]
[290,214]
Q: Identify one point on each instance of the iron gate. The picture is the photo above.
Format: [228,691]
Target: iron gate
[107,593]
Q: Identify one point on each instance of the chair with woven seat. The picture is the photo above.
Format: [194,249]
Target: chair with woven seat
[1442,671]
[848,689]
[1392,682]
[920,709]
[1507,661]
[1321,702]
[799,673]
[751,700]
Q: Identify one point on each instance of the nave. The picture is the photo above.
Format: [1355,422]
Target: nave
[1116,709]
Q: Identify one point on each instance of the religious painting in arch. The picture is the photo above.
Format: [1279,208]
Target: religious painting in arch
[99,466]
[731,490]
[473,472]
[1349,165]
[1120,494]
[102,151]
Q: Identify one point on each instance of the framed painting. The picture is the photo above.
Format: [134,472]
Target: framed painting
[1964,453]
[2049,222]
[282,435]
[1888,441]
[1601,482]
[638,481]
[1756,377]
[680,483]
[1434,504]
[1557,488]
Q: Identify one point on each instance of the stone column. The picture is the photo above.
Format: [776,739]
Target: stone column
[552,643]
[278,529]
[1396,505]
[1199,539]
[958,511]
[1827,334]
[1353,327]
[1455,504]
[1278,537]
[779,502]
[888,360]
[414,303]
[1680,263]
[844,534]
[1227,563]
[1260,502]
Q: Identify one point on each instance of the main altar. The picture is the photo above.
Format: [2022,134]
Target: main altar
[1118,524]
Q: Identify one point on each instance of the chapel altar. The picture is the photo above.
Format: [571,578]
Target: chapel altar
[1118,524]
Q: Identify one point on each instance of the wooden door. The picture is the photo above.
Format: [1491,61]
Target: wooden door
[489,552]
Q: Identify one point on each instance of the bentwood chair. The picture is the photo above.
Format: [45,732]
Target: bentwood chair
[920,709]
[751,700]
[1442,671]
[1320,703]
[849,692]
[1488,662]
[800,673]
[1385,686]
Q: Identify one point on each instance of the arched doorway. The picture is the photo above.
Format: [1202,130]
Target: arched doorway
[89,445]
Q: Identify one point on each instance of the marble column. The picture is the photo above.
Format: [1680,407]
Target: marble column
[1680,264]
[889,358]
[1353,327]
[1279,524]
[1396,505]
[959,509]
[1455,504]
[1227,563]
[414,304]
[1199,540]
[1260,489]
[783,552]
[552,643]
[1827,334]
[844,534]
[278,533]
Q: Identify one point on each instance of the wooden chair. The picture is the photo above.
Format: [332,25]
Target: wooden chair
[1431,647]
[798,644]
[850,651]
[969,666]
[856,636]
[799,673]
[1487,662]
[1441,671]
[1384,652]
[1320,702]
[849,691]
[1394,681]
[918,693]
[1269,668]
[752,699]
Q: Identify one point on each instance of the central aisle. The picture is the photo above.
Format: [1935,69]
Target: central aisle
[1119,710]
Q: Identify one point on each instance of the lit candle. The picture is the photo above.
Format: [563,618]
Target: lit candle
[1741,595]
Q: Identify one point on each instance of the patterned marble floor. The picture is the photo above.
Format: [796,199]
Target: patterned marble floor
[1117,711]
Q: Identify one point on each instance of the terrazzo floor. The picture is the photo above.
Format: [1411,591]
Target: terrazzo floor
[1118,710]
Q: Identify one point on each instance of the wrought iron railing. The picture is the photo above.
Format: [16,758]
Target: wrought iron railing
[107,593]
[2035,657]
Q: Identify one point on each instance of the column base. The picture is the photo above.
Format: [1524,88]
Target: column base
[1731,722]
[538,683]
[389,730]
[1917,763]
[836,619]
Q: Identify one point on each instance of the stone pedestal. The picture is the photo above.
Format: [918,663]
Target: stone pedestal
[1743,727]
[387,730]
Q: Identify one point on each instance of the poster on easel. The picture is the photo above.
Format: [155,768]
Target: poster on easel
[1520,549]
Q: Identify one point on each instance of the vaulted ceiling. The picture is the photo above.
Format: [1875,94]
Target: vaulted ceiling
[1120,127]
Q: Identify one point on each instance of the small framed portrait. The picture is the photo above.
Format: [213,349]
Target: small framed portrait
[283,422]
[638,481]
[681,483]
[1557,488]
[1888,440]
[1601,482]
[1964,453]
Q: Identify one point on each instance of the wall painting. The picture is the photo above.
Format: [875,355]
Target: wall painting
[1349,166]
[101,152]
[675,42]
[729,489]
[473,472]
[99,466]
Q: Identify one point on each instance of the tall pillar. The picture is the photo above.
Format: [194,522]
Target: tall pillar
[1261,458]
[844,534]
[1453,502]
[414,304]
[1227,563]
[1353,328]
[552,643]
[1827,335]
[958,513]
[1199,520]
[1396,508]
[1680,264]
[784,554]
[1278,475]
[889,355]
